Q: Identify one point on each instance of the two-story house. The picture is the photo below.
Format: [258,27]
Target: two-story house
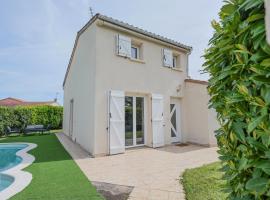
[126,87]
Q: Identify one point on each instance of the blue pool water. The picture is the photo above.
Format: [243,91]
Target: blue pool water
[5,181]
[8,159]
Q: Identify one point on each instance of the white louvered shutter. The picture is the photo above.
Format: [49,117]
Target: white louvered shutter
[167,58]
[116,122]
[124,46]
[157,120]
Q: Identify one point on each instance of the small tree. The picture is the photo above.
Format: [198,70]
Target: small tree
[238,61]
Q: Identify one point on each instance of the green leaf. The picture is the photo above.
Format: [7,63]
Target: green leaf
[264,165]
[243,163]
[267,154]
[238,129]
[257,184]
[243,89]
[266,62]
[262,79]
[254,123]
[228,9]
[255,17]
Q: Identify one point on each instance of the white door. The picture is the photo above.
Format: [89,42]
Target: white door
[116,122]
[157,120]
[175,120]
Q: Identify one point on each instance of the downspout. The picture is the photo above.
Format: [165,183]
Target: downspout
[188,54]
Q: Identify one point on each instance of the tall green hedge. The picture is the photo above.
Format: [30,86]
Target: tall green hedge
[19,117]
[238,61]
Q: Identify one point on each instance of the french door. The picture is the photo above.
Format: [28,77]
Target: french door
[175,120]
[134,121]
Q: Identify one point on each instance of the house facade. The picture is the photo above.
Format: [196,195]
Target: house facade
[126,87]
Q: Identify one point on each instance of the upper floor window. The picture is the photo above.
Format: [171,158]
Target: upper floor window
[135,52]
[129,48]
[171,59]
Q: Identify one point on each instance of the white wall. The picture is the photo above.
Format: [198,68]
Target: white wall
[80,86]
[201,121]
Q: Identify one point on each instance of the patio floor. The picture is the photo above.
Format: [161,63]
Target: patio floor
[154,173]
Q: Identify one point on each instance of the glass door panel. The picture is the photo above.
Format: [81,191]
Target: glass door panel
[173,121]
[129,121]
[139,120]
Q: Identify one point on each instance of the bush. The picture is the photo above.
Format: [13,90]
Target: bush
[238,61]
[21,116]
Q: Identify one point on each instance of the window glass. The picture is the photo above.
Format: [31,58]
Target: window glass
[134,52]
[139,120]
[128,121]
[174,61]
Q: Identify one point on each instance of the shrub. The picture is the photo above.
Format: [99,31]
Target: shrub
[238,61]
[21,116]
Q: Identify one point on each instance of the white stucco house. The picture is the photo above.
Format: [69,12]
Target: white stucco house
[126,87]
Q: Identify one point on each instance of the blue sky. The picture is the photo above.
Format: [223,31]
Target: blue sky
[37,37]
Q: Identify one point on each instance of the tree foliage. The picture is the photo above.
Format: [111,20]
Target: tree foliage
[238,61]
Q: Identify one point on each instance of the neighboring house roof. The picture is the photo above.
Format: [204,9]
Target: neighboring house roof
[19,102]
[197,81]
[126,26]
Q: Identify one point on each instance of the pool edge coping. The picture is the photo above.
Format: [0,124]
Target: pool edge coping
[21,178]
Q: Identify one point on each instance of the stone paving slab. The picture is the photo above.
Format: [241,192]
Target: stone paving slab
[154,173]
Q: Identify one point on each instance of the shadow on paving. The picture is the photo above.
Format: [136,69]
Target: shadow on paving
[113,191]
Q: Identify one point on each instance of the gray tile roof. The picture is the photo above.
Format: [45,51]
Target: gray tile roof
[141,31]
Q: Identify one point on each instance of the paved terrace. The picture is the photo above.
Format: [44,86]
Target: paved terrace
[153,173]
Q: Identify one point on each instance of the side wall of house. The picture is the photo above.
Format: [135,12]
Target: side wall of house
[201,121]
[80,87]
[144,78]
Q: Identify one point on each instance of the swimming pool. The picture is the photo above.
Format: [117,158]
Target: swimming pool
[14,158]
[5,181]
[9,159]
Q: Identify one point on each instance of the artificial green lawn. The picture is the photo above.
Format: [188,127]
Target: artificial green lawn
[204,183]
[55,175]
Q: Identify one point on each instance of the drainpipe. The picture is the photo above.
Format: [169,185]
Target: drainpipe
[267,19]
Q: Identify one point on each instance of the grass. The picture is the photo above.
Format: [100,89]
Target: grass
[55,174]
[204,183]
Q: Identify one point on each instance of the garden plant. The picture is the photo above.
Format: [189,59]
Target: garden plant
[238,61]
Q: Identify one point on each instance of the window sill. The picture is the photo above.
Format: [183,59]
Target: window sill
[177,69]
[137,60]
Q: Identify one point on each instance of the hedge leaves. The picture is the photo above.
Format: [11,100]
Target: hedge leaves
[19,117]
[238,61]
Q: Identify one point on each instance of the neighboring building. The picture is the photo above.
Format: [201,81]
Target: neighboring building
[126,87]
[19,102]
